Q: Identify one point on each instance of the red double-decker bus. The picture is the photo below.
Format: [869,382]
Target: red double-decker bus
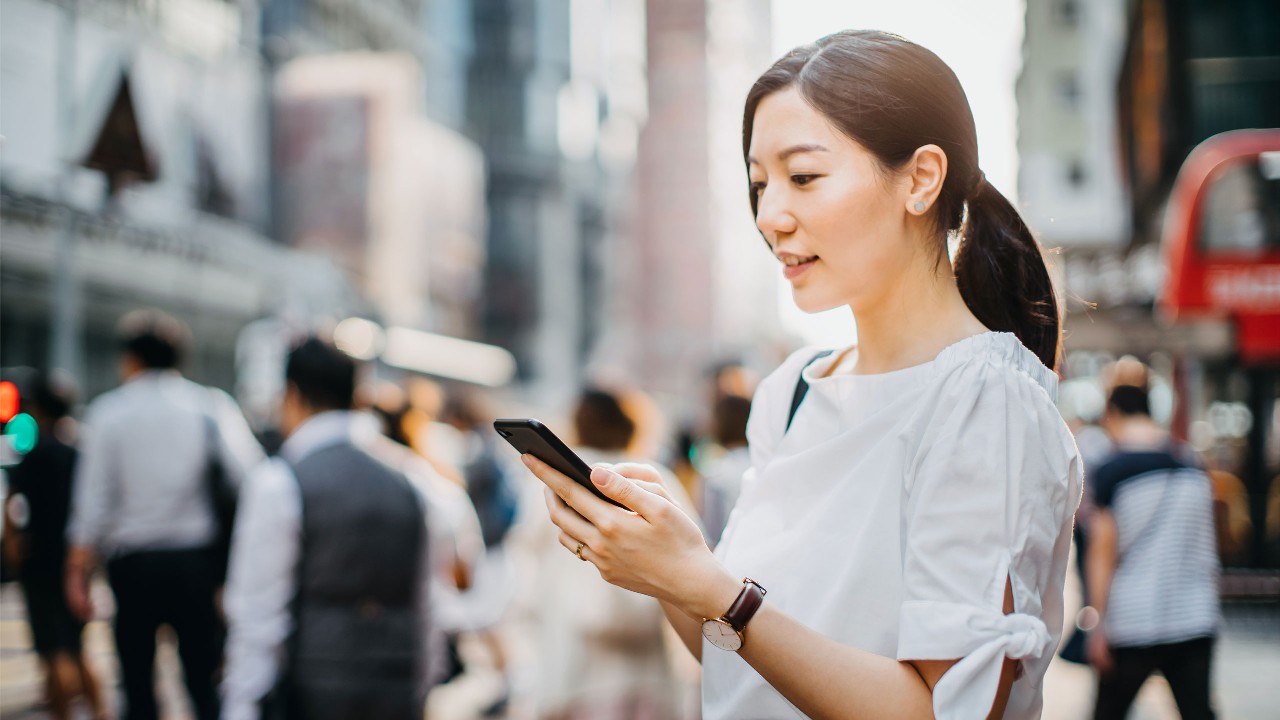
[1221,242]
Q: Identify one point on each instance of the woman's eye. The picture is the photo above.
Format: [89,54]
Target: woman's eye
[757,188]
[803,180]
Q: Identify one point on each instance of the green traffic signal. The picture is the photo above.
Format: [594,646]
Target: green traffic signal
[22,433]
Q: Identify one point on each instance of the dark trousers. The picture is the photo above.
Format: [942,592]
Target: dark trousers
[175,588]
[1185,665]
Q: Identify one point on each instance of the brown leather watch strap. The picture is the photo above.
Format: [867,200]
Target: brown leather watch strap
[746,605]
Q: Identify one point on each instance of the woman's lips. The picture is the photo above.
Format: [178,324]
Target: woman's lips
[791,272]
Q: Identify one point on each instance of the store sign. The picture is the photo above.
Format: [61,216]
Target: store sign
[1245,289]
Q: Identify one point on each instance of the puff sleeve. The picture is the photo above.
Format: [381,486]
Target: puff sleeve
[989,495]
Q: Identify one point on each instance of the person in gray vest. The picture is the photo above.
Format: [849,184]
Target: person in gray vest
[327,593]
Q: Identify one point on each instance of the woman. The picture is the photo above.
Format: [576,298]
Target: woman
[911,522]
[44,479]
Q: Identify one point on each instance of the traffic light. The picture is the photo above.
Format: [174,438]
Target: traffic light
[20,429]
[9,401]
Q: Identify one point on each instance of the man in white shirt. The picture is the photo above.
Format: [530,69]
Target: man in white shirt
[143,502]
[328,591]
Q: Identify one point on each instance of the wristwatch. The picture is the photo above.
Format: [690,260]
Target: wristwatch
[725,632]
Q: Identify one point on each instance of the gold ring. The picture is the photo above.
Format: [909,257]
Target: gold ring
[578,551]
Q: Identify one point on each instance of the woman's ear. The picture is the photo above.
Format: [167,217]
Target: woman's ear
[927,171]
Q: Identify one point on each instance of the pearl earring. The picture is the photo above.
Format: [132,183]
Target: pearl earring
[919,206]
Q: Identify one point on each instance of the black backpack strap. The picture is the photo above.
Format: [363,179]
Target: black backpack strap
[802,388]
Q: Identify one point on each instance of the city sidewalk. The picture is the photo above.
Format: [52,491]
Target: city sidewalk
[21,679]
[1246,665]
[1245,671]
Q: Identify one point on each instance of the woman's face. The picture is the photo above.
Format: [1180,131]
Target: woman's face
[831,216]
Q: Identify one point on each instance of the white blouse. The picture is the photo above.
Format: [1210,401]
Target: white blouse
[890,514]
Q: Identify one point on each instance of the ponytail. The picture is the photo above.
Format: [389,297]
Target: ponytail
[1002,275]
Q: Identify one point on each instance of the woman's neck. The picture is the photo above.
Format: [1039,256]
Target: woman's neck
[922,315]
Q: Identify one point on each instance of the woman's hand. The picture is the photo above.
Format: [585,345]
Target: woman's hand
[655,549]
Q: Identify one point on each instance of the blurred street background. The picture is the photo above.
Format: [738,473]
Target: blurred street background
[522,198]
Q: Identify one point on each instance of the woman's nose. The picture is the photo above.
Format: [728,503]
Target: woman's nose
[772,215]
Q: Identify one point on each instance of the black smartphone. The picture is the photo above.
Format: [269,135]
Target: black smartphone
[530,436]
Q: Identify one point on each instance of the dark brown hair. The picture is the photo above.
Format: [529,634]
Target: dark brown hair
[324,375]
[157,340]
[729,420]
[1129,400]
[892,96]
[601,422]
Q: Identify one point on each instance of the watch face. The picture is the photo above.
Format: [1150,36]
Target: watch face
[722,635]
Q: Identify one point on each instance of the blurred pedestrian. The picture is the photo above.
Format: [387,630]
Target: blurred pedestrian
[722,474]
[695,441]
[329,588]
[457,544]
[1152,565]
[42,483]
[601,653]
[430,434]
[144,500]
[1232,522]
[910,500]
[1083,414]
[496,499]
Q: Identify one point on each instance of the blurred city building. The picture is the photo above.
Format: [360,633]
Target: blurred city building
[1069,174]
[135,172]
[561,178]
[363,172]
[746,280]
[1072,186]
[617,232]
[295,28]
[1115,99]
[694,282]
[393,198]
[547,203]
[550,95]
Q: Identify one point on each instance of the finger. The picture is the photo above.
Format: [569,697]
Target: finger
[570,543]
[638,471]
[626,491]
[574,495]
[568,519]
[656,488]
[648,477]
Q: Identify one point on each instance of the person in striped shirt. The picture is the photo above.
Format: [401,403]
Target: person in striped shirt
[1152,565]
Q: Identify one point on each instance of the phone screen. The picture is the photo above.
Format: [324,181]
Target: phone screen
[528,435]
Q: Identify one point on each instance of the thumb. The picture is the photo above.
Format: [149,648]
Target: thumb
[625,491]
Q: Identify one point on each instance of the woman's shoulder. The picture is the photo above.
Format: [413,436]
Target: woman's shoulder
[992,394]
[784,377]
[990,381]
[994,358]
[773,396]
